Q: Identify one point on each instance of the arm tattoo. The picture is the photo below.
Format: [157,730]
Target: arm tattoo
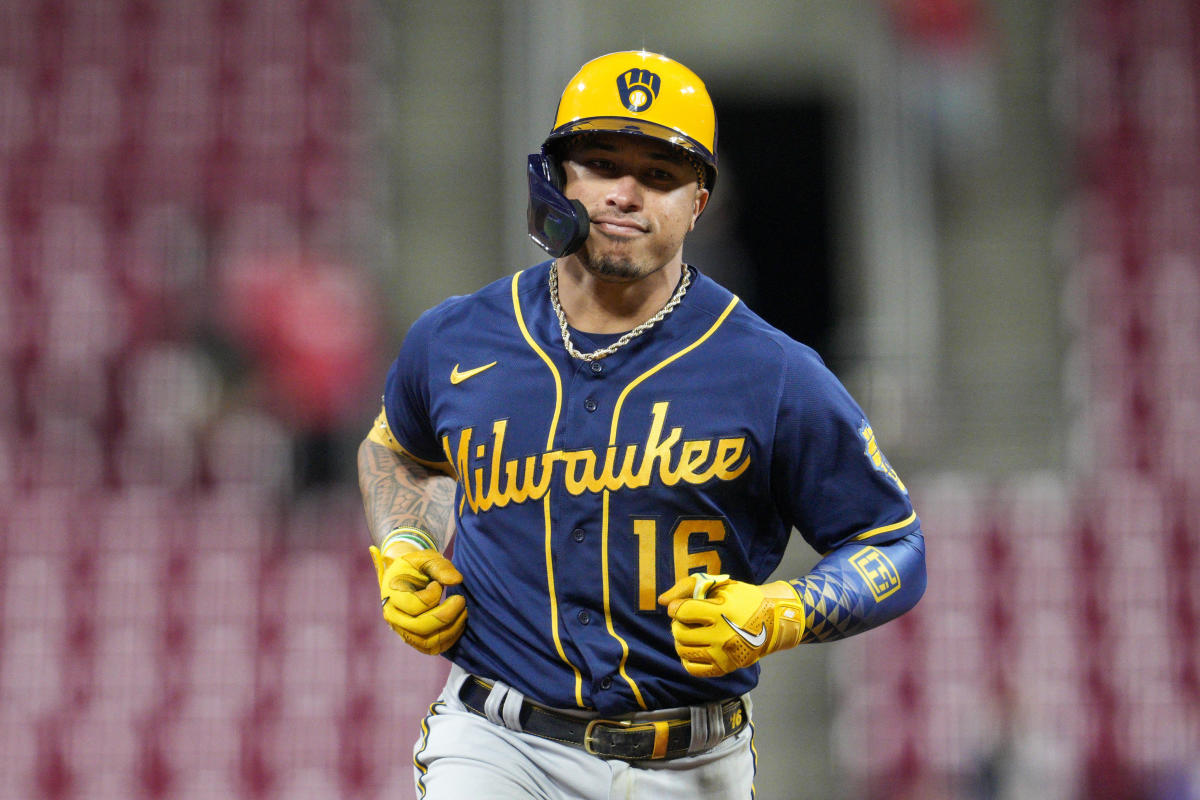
[398,492]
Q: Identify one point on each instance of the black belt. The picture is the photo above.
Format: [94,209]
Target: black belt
[608,738]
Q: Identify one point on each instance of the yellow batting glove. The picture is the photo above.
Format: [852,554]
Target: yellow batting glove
[720,624]
[410,586]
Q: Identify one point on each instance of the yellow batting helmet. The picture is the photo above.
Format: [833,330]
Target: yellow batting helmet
[644,94]
[633,92]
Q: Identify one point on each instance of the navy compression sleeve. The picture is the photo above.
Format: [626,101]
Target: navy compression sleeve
[858,586]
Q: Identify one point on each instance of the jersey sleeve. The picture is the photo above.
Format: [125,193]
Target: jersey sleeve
[406,397]
[860,586]
[829,475]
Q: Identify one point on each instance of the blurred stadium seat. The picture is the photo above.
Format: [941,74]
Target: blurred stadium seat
[147,150]
[16,110]
[87,117]
[1088,689]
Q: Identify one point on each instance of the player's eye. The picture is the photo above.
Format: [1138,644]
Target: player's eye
[664,177]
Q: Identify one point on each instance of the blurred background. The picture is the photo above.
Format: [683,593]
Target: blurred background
[218,218]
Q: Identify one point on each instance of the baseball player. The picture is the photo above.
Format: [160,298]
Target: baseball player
[620,450]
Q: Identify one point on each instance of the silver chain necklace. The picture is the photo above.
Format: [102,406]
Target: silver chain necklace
[604,352]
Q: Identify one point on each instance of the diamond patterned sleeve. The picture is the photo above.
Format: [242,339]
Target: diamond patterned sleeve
[858,587]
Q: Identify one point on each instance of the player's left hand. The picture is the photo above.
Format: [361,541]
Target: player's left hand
[720,624]
[410,587]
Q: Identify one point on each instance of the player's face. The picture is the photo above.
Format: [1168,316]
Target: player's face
[642,199]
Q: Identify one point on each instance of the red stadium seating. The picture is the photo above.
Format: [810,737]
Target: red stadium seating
[162,631]
[1058,636]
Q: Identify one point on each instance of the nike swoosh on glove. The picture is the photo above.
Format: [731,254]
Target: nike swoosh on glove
[410,588]
[720,624]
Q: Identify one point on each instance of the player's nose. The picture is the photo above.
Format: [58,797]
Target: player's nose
[625,193]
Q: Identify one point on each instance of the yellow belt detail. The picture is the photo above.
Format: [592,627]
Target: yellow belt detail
[661,730]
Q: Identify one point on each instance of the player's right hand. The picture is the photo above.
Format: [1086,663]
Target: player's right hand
[410,586]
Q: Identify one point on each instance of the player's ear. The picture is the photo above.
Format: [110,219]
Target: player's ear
[699,203]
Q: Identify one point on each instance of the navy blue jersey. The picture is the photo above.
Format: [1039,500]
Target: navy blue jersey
[586,489]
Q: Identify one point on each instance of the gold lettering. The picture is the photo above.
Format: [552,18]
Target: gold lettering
[615,480]
[646,531]
[694,454]
[658,449]
[728,452]
[494,497]
[482,501]
[498,481]
[462,462]
[580,471]
[706,559]
[529,489]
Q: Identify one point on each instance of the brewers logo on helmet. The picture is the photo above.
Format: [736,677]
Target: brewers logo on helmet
[630,92]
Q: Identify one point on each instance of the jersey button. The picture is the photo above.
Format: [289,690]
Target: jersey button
[606,683]
[597,368]
[590,404]
[584,617]
[577,534]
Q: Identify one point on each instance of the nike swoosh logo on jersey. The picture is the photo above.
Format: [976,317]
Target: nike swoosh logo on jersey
[755,640]
[457,376]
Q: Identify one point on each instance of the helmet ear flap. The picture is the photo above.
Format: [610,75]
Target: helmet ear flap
[556,224]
